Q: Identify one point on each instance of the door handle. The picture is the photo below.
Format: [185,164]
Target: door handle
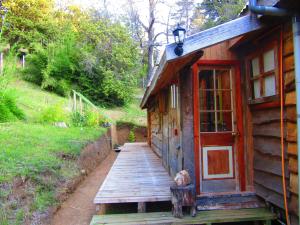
[235,133]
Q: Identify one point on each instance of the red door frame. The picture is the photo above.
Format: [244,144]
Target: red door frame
[239,117]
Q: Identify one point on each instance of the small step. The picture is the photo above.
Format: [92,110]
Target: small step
[243,200]
[204,217]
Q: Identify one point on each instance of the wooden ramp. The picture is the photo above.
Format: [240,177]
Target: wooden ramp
[203,217]
[136,176]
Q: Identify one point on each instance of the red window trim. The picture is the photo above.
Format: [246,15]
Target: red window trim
[264,46]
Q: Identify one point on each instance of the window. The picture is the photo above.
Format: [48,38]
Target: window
[263,72]
[216,100]
[174,96]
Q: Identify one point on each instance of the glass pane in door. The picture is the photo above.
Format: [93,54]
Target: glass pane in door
[215,100]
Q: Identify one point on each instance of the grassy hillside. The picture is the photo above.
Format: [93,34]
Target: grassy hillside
[30,151]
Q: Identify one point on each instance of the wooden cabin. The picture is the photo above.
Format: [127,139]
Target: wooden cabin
[216,111]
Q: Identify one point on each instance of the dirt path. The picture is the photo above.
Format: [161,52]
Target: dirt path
[79,208]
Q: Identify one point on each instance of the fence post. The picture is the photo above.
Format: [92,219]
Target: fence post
[80,104]
[74,101]
[1,62]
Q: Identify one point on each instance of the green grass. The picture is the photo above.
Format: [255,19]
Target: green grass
[33,101]
[131,113]
[30,149]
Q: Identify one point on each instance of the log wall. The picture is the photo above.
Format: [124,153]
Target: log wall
[291,120]
[264,125]
[165,132]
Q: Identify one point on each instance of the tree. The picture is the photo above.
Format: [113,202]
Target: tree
[210,13]
[183,13]
[145,33]
[29,21]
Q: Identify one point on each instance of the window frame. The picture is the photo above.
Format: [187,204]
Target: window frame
[259,51]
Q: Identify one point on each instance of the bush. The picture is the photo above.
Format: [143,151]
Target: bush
[90,118]
[100,60]
[9,111]
[78,119]
[36,63]
[53,113]
[131,137]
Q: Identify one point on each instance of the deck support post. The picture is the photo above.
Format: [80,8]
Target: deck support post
[100,209]
[141,207]
[267,222]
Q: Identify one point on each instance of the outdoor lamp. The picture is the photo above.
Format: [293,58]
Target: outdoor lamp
[179,36]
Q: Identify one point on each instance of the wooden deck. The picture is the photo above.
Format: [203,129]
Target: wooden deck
[136,176]
[203,217]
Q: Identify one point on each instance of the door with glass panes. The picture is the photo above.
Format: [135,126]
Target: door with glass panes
[218,130]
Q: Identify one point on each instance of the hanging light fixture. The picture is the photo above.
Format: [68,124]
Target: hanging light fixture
[179,36]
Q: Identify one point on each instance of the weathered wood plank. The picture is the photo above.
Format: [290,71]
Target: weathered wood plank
[187,120]
[294,183]
[290,98]
[269,195]
[268,130]
[136,176]
[289,78]
[291,114]
[288,63]
[268,164]
[288,46]
[265,116]
[273,183]
[293,165]
[292,149]
[268,145]
[205,217]
[291,132]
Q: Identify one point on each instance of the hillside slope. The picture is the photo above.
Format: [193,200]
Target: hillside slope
[37,157]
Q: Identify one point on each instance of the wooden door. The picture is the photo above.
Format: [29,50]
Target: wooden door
[219,129]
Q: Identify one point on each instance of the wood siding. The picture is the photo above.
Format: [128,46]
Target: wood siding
[291,118]
[165,132]
[219,51]
[264,125]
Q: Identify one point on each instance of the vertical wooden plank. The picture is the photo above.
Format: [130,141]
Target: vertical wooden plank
[240,142]
[141,207]
[196,125]
[187,120]
[149,127]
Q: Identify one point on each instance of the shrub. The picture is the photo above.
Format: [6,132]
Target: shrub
[53,113]
[78,119]
[131,137]
[36,63]
[9,111]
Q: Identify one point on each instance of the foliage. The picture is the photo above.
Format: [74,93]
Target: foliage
[96,57]
[36,64]
[30,149]
[29,21]
[9,111]
[53,68]
[32,152]
[89,118]
[53,113]
[78,119]
[210,13]
[131,137]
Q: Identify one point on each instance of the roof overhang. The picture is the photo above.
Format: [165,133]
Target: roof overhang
[170,63]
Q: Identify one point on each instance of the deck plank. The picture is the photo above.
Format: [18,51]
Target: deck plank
[203,217]
[137,175]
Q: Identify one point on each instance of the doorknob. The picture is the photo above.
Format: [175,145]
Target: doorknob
[235,133]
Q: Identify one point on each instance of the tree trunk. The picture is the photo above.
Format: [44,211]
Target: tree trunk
[150,33]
